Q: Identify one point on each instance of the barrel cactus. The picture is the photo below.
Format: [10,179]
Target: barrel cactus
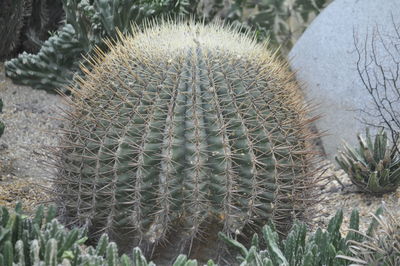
[181,131]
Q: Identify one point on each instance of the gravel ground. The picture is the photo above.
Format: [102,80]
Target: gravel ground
[340,193]
[29,118]
[30,114]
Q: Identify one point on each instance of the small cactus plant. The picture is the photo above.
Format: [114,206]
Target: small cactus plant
[300,248]
[180,129]
[40,240]
[43,241]
[2,126]
[381,246]
[374,167]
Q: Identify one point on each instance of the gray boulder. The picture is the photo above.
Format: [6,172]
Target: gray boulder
[325,60]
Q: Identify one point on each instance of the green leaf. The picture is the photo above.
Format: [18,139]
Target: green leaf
[39,215]
[183,261]
[70,240]
[211,263]
[271,239]
[234,243]
[138,258]
[68,254]
[112,254]
[102,245]
[50,256]
[34,252]
[51,213]
[20,256]
[125,260]
[82,240]
[354,225]
[255,241]
[374,223]
[5,235]
[8,254]
[335,222]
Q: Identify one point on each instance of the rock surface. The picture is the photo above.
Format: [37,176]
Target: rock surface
[325,59]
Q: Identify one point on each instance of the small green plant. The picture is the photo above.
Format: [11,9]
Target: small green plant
[375,166]
[2,126]
[43,241]
[320,248]
[381,246]
[300,248]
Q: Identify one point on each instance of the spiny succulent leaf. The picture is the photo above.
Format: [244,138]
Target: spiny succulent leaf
[2,128]
[125,260]
[354,226]
[112,254]
[8,254]
[234,243]
[374,166]
[34,252]
[295,242]
[50,257]
[102,245]
[271,239]
[255,241]
[138,257]
[19,248]
[374,223]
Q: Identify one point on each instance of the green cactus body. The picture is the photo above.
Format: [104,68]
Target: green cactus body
[181,126]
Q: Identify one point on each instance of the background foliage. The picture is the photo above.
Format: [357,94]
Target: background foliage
[88,22]
[25,24]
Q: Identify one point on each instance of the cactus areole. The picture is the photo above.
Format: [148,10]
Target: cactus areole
[180,127]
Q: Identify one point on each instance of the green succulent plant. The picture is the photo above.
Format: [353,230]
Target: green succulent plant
[180,129]
[381,246]
[300,248]
[40,240]
[2,126]
[43,241]
[374,167]
[88,22]
[59,51]
[320,248]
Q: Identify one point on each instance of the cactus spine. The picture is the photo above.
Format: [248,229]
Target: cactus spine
[181,126]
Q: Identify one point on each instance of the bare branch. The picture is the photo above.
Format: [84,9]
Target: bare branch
[378,66]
